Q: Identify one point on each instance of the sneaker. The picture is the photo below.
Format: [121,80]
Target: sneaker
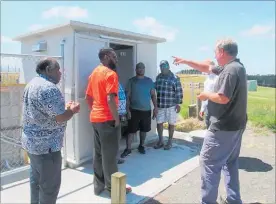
[141,149]
[126,153]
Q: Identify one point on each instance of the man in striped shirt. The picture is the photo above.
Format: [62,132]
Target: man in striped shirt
[169,97]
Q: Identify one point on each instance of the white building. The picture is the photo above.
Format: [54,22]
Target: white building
[82,42]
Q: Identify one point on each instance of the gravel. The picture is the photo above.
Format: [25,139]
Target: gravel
[257,175]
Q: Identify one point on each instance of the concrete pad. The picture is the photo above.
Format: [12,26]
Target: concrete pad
[197,136]
[147,174]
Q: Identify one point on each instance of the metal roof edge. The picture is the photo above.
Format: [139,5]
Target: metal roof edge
[40,31]
[78,24]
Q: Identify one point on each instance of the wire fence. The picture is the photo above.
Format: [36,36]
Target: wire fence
[16,71]
[191,89]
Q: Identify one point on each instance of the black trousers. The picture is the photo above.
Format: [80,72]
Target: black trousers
[106,144]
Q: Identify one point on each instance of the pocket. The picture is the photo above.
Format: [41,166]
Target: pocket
[111,123]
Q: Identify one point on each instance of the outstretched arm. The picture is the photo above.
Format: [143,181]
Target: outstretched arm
[205,66]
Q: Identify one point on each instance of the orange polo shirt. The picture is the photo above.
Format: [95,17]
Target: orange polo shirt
[102,81]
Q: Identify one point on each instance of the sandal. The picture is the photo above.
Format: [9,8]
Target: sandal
[168,146]
[158,145]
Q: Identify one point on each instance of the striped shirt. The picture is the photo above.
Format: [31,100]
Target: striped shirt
[169,90]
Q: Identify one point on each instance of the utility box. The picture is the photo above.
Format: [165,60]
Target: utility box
[82,44]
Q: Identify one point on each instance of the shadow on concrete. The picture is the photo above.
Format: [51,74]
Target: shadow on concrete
[151,201]
[250,164]
[141,168]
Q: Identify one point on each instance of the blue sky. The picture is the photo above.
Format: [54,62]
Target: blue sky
[191,28]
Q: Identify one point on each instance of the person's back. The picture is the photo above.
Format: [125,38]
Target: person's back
[100,80]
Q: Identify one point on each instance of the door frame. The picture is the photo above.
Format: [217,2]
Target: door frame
[77,36]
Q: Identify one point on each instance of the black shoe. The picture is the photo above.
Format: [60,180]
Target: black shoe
[120,161]
[141,149]
[126,153]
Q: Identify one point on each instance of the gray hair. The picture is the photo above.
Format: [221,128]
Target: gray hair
[229,46]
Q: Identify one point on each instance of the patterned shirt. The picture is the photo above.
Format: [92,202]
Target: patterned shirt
[42,101]
[169,90]
[122,101]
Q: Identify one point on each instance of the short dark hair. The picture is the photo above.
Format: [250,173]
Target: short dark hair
[140,64]
[104,51]
[43,64]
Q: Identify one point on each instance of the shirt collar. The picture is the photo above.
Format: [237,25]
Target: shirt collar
[46,78]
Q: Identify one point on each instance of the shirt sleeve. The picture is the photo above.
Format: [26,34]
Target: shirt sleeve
[152,84]
[112,84]
[227,85]
[52,102]
[216,69]
[128,86]
[179,91]
[89,88]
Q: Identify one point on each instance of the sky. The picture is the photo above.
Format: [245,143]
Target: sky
[190,27]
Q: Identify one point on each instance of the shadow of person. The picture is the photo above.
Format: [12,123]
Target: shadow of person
[250,164]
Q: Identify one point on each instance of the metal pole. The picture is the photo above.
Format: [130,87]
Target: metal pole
[65,164]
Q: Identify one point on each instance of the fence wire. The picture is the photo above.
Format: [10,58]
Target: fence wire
[16,71]
[191,89]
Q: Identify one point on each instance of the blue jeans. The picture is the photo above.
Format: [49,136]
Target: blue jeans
[220,151]
[45,177]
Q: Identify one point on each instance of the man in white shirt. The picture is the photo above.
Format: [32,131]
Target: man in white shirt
[208,87]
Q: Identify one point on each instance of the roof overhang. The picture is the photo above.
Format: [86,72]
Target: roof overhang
[80,26]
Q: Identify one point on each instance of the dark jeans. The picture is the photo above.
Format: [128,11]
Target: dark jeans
[106,144]
[45,177]
[220,152]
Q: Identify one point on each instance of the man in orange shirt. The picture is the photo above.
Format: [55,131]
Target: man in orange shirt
[102,99]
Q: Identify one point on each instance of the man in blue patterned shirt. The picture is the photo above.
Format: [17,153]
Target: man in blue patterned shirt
[44,121]
[169,97]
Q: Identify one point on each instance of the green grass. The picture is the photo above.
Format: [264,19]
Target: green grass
[261,107]
[261,104]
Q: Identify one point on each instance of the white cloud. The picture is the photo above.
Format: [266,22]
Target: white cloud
[204,48]
[68,12]
[151,26]
[35,27]
[258,30]
[5,39]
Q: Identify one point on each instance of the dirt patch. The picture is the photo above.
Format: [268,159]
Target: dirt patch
[188,125]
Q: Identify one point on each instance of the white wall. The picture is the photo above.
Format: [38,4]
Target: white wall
[147,53]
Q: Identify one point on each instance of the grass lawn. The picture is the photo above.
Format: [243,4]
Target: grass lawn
[261,104]
[261,107]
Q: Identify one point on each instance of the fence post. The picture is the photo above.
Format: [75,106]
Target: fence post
[118,188]
[198,107]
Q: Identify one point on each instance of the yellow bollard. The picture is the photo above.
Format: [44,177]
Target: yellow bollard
[118,188]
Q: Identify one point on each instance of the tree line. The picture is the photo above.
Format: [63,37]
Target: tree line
[268,80]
